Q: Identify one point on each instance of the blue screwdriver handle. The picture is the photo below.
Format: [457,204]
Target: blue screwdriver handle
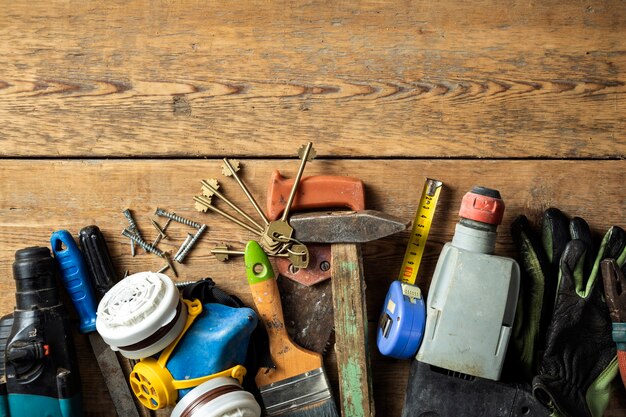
[75,277]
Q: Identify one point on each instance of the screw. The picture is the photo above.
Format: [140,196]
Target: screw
[184,245]
[132,226]
[179,258]
[181,284]
[325,266]
[177,218]
[145,245]
[131,220]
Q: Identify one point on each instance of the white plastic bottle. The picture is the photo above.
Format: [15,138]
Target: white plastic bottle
[473,294]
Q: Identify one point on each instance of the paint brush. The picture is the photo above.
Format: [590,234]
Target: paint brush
[297,386]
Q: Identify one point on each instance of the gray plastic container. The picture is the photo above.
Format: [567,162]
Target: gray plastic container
[471,304]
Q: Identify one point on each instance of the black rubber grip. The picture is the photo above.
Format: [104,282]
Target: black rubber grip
[99,263]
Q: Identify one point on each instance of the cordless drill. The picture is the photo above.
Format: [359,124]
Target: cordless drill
[40,372]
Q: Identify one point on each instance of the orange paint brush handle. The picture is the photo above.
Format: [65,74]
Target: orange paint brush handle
[289,358]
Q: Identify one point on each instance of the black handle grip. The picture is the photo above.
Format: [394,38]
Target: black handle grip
[98,259]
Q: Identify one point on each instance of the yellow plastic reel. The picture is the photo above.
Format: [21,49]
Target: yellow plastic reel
[154,385]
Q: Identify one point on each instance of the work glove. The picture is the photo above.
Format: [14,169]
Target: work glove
[562,330]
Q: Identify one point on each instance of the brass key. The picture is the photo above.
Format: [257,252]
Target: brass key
[204,203]
[228,167]
[306,155]
[275,237]
[294,254]
[298,254]
[223,252]
[209,188]
[279,231]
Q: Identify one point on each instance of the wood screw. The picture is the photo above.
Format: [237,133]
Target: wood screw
[177,218]
[145,245]
[179,258]
[132,226]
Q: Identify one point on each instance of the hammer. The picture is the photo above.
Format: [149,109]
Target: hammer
[345,231]
[321,192]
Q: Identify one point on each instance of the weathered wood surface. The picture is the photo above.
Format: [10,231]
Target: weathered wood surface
[379,87]
[40,196]
[415,78]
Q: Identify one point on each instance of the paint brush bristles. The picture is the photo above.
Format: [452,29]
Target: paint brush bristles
[307,394]
[324,409]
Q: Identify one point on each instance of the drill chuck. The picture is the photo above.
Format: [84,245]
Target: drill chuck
[35,279]
[40,370]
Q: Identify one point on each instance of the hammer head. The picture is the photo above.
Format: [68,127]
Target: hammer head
[345,226]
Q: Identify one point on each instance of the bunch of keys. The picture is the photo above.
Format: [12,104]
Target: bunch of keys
[275,237]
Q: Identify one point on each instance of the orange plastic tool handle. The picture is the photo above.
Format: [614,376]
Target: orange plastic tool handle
[314,192]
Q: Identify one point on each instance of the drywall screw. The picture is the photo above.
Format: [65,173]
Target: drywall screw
[179,258]
[177,218]
[132,226]
[145,245]
[182,247]
[181,284]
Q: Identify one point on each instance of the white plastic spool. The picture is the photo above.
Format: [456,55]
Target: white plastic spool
[219,397]
[136,308]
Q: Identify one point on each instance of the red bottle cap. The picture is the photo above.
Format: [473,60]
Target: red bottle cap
[482,205]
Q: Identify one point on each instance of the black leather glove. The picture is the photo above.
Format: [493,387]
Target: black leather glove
[577,362]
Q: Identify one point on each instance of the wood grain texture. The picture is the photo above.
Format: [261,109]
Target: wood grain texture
[40,196]
[415,78]
[504,89]
[351,331]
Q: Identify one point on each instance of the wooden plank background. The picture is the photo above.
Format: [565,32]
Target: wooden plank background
[107,106]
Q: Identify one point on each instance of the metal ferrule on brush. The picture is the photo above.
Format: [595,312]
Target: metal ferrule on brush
[296,392]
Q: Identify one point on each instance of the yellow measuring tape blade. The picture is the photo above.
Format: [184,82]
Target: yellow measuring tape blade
[419,233]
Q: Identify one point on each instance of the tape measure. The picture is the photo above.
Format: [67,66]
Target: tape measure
[419,233]
[402,321]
